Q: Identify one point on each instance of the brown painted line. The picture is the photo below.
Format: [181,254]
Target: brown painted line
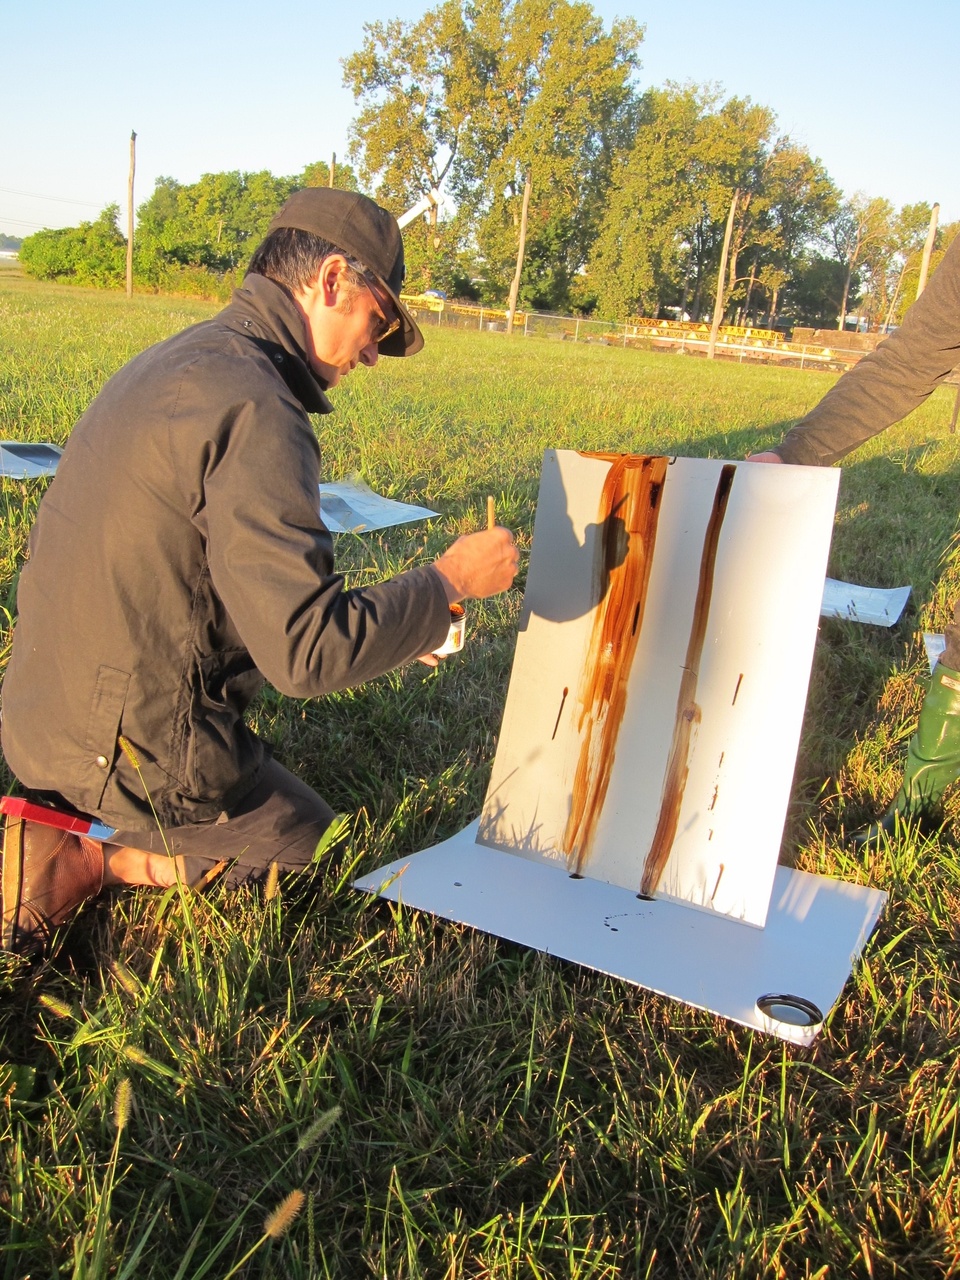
[688,710]
[628,517]
[563,703]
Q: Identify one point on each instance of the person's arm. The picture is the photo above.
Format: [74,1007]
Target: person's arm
[271,562]
[890,382]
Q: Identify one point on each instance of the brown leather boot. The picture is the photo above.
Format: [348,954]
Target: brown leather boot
[47,874]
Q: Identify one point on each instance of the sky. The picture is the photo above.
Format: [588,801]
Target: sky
[868,86]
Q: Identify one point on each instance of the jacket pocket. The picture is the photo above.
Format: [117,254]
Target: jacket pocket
[219,751]
[103,729]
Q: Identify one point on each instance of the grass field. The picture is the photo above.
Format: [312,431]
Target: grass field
[417,1100]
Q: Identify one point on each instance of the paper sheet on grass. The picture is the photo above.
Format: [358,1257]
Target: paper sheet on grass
[881,606]
[350,506]
[934,643]
[22,460]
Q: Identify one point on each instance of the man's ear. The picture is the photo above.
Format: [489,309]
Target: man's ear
[330,278]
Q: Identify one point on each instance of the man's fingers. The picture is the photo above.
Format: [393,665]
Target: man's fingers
[479,564]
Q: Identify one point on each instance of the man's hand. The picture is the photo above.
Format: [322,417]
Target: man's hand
[479,565]
[764,457]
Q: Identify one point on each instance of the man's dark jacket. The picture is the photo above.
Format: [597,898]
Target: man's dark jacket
[178,559]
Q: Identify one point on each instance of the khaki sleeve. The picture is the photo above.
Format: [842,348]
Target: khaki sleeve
[890,382]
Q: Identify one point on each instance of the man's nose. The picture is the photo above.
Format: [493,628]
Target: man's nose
[369,354]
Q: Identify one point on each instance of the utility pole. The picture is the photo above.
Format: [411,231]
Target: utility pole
[515,286]
[928,249]
[718,305]
[333,167]
[133,166]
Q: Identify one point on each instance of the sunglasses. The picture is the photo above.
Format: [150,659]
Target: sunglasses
[385,326]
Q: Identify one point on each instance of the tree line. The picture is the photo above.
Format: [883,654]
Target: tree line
[628,189]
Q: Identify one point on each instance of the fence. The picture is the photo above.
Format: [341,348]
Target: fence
[734,342]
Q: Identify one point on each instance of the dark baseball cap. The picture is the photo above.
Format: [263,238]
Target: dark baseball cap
[365,232]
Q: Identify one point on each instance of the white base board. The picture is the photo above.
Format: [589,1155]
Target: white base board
[814,929]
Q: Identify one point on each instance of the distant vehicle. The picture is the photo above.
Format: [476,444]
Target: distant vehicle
[434,293]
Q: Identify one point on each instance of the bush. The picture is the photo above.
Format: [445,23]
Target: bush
[93,253]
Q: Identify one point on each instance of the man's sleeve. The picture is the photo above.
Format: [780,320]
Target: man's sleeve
[271,562]
[890,382]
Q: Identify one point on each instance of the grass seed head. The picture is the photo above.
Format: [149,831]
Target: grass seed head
[315,1132]
[135,1055]
[273,882]
[57,1006]
[126,978]
[278,1223]
[129,752]
[122,1104]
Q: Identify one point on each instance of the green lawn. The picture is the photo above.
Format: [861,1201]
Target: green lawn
[451,1105]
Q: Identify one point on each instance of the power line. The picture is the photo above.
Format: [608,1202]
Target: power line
[21,222]
[33,195]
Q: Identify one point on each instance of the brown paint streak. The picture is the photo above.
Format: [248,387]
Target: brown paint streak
[629,510]
[688,710]
[719,877]
[563,702]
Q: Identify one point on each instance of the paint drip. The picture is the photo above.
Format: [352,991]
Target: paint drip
[627,519]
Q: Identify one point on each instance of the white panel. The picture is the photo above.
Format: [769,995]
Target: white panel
[815,928]
[743,706]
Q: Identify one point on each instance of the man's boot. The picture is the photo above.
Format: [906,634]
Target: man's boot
[47,874]
[933,758]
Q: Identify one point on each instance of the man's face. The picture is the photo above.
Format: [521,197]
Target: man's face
[344,322]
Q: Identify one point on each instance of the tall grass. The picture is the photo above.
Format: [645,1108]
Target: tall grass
[437,1103]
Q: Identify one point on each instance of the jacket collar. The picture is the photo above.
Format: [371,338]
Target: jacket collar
[264,311]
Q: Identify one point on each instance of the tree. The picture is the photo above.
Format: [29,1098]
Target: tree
[317,174]
[489,93]
[647,223]
[671,191]
[416,87]
[816,290]
[538,123]
[795,200]
[92,253]
[212,224]
[909,233]
[857,226]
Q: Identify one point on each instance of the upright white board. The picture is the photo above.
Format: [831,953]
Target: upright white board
[658,688]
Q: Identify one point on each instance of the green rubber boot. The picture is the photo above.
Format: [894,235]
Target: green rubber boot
[933,759]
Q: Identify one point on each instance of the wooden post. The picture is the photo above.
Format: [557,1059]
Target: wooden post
[718,305]
[133,165]
[333,167]
[515,286]
[928,249]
